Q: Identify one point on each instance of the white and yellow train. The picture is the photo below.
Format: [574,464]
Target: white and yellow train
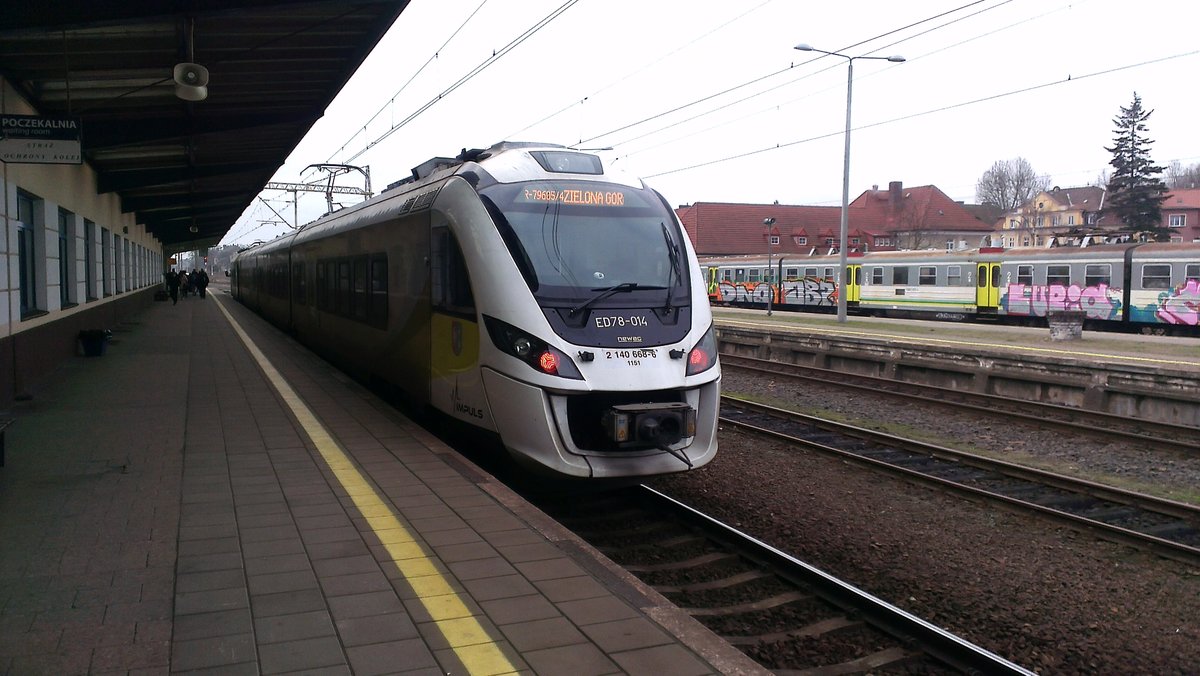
[525,290]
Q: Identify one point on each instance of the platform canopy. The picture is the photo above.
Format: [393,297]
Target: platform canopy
[187,168]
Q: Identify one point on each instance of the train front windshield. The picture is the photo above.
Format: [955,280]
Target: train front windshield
[574,239]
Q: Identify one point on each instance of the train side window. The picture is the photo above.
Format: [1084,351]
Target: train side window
[359,297]
[954,275]
[900,276]
[726,274]
[299,288]
[1192,272]
[1098,274]
[378,308]
[829,274]
[1156,276]
[322,285]
[810,272]
[995,276]
[1025,275]
[739,275]
[877,276]
[1058,275]
[927,275]
[791,273]
[341,295]
[753,275]
[451,283]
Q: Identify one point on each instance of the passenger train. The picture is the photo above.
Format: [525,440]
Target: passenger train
[1151,288]
[526,290]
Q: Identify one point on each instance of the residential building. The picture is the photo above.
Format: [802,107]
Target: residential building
[1055,217]
[878,220]
[1181,214]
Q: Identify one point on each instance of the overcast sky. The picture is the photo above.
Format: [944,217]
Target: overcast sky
[715,105]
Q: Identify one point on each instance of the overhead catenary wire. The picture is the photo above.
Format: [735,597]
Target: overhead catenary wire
[1061,81]
[497,55]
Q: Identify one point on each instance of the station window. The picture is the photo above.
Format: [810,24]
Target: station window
[927,275]
[89,260]
[27,251]
[877,275]
[1058,275]
[1156,276]
[900,276]
[1025,275]
[1097,274]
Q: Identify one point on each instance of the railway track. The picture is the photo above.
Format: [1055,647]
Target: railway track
[1170,529]
[783,613]
[1160,435]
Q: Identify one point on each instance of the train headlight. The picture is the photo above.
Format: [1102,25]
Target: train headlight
[649,425]
[704,355]
[535,352]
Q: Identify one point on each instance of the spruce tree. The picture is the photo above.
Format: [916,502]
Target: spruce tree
[1135,193]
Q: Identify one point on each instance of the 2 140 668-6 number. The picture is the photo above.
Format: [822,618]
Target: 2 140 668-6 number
[633,357]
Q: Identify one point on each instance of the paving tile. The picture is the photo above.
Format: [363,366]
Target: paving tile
[499,657]
[357,631]
[552,632]
[358,583]
[212,652]
[630,634]
[383,658]
[571,588]
[481,568]
[211,625]
[253,550]
[601,609]
[211,600]
[577,660]
[505,586]
[310,653]
[286,603]
[519,609]
[362,605]
[274,583]
[666,660]
[363,563]
[282,563]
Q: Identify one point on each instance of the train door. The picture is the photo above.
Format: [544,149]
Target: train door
[853,283]
[987,287]
[714,285]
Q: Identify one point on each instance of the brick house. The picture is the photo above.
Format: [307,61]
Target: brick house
[1059,216]
[877,220]
[1181,213]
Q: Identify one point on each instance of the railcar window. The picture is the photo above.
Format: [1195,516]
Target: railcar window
[359,297]
[753,275]
[927,275]
[829,274]
[378,308]
[810,272]
[954,275]
[1058,275]
[451,283]
[877,275]
[341,295]
[1025,275]
[900,276]
[995,276]
[727,274]
[1156,276]
[323,285]
[1192,272]
[1097,274]
[299,284]
[791,273]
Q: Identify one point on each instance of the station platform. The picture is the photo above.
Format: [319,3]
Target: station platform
[208,496]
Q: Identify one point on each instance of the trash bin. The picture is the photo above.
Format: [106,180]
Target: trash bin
[1065,324]
[93,342]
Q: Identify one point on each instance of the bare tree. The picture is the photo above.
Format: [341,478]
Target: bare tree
[1009,184]
[1102,179]
[1180,177]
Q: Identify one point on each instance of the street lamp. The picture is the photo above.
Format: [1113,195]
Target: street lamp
[767,223]
[841,307]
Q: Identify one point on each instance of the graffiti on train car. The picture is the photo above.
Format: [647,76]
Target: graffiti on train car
[809,291]
[1096,302]
[1181,306]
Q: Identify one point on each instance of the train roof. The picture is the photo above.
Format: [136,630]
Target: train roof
[1157,249]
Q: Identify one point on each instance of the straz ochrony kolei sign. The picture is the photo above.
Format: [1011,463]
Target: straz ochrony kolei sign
[35,139]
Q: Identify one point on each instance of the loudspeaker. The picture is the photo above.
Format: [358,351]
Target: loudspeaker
[191,81]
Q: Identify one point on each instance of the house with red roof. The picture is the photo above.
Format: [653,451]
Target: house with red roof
[1181,214]
[877,220]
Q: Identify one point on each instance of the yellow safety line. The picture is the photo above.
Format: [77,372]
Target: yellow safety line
[999,346]
[469,640]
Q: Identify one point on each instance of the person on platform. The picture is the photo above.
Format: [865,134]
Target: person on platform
[201,280]
[184,283]
[172,285]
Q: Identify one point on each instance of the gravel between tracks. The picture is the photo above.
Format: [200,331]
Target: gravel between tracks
[1048,598]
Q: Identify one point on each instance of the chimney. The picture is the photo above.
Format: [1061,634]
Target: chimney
[894,190]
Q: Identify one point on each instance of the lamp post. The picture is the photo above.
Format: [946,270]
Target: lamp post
[841,305]
[767,223]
